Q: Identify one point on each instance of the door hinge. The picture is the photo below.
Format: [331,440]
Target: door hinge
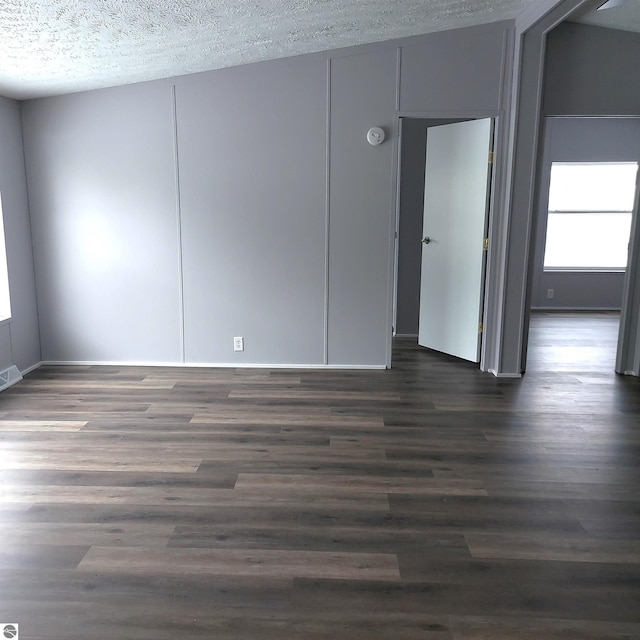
[491,157]
[395,235]
[481,327]
[485,244]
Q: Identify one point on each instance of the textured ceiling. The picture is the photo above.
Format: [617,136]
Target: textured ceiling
[50,47]
[624,15]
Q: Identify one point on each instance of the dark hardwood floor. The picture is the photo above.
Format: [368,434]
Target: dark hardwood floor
[429,501]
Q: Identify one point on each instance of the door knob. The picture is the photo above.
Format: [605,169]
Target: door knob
[427,240]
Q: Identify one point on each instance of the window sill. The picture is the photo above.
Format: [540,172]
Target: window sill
[578,270]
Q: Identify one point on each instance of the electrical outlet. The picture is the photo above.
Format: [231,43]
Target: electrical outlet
[549,294]
[238,343]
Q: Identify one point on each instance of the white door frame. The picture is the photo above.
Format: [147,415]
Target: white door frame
[396,229]
[628,355]
[498,179]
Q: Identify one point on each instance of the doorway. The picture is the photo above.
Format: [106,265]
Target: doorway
[575,293]
[465,144]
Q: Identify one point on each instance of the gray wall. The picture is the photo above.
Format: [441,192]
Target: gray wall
[580,140]
[19,338]
[591,71]
[459,70]
[103,206]
[252,184]
[267,215]
[363,94]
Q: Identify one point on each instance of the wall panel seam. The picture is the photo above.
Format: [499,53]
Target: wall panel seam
[176,160]
[398,78]
[327,221]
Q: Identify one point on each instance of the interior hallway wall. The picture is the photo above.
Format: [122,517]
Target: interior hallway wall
[590,71]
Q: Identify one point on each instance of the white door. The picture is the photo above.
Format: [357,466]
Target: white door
[456,197]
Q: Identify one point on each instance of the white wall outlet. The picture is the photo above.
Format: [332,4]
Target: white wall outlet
[549,294]
[238,343]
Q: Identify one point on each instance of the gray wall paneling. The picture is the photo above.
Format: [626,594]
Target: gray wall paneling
[6,355]
[363,94]
[19,339]
[591,71]
[281,228]
[580,140]
[459,70]
[103,204]
[252,149]
[579,291]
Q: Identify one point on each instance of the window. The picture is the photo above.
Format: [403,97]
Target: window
[5,302]
[589,222]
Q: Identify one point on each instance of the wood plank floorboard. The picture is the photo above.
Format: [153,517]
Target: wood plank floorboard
[430,501]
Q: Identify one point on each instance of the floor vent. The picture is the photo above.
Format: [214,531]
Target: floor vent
[9,377]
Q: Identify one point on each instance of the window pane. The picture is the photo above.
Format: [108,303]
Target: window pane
[587,240]
[587,186]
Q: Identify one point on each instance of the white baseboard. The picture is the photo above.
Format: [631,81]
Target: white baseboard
[212,365]
[33,367]
[514,376]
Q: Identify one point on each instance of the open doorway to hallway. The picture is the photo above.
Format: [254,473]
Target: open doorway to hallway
[585,201]
[444,201]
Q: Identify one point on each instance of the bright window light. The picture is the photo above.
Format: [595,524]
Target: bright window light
[5,302]
[589,220]
[591,186]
